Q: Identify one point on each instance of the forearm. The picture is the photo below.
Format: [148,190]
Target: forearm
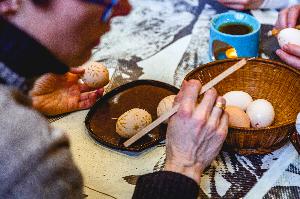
[278,4]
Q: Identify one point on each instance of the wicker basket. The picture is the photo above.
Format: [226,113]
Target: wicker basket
[270,80]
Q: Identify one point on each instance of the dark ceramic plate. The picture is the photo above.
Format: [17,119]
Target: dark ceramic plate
[145,94]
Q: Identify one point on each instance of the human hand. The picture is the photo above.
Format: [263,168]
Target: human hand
[242,4]
[288,17]
[290,54]
[9,7]
[56,94]
[196,132]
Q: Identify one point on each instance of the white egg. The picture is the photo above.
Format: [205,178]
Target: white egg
[289,36]
[261,113]
[95,75]
[240,99]
[298,123]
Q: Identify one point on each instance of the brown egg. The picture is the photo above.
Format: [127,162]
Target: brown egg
[165,105]
[96,75]
[237,117]
[132,121]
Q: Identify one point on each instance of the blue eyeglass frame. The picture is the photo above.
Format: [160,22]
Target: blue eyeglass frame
[109,4]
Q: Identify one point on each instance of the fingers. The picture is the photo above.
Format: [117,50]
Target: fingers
[98,93]
[88,99]
[288,58]
[282,19]
[179,96]
[292,17]
[216,113]
[77,70]
[190,93]
[203,110]
[292,49]
[223,127]
[9,7]
[288,17]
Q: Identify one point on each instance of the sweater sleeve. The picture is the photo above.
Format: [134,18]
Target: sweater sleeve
[165,184]
[278,4]
[35,159]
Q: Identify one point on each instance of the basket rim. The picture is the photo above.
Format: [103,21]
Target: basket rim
[281,64]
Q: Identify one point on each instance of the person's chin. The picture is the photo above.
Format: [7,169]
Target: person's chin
[83,58]
[86,57]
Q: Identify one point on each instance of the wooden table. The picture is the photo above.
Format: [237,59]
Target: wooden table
[164,40]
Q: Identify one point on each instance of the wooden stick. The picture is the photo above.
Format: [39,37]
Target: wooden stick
[168,114]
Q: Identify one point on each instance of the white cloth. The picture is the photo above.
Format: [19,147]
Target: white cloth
[278,4]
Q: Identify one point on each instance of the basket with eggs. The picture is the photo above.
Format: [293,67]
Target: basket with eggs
[262,101]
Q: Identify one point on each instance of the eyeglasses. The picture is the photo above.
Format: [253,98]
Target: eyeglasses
[109,4]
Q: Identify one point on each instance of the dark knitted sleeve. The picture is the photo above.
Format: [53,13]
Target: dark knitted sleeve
[164,185]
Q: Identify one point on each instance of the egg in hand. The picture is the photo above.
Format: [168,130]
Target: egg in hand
[95,75]
[289,36]
[261,113]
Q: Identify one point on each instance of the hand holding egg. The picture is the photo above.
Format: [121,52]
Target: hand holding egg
[96,75]
[289,36]
[289,41]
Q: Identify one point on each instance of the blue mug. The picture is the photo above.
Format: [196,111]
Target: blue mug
[246,45]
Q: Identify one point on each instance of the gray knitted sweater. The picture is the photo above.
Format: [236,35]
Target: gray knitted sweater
[35,160]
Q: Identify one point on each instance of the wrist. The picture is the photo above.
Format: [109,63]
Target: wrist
[193,171]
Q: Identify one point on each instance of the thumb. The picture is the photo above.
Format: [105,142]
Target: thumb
[77,70]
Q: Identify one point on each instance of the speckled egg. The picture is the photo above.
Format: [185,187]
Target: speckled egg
[132,121]
[237,117]
[238,98]
[96,75]
[165,105]
[261,113]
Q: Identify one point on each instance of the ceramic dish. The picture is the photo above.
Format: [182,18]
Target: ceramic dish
[145,94]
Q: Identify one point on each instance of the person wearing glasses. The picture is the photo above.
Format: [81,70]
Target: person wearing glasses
[51,36]
[257,4]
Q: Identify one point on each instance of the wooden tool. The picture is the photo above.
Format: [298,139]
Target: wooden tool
[168,114]
[275,31]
